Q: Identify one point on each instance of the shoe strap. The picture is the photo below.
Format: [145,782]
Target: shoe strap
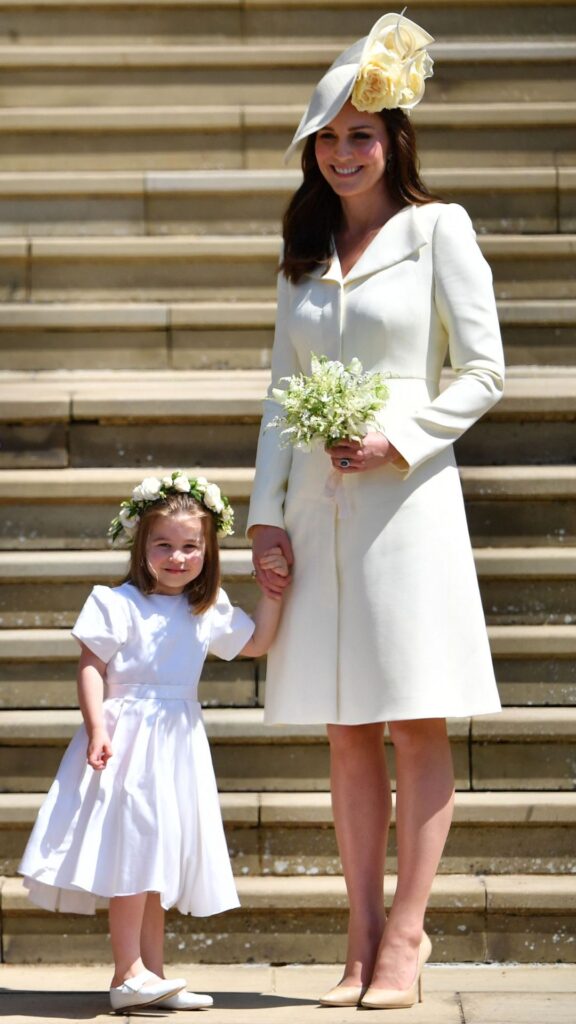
[138,981]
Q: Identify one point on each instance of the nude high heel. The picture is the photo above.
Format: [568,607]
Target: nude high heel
[400,998]
[343,995]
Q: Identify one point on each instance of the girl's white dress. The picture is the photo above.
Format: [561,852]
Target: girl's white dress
[150,821]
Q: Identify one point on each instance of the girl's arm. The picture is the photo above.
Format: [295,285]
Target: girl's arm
[266,617]
[90,682]
[269,609]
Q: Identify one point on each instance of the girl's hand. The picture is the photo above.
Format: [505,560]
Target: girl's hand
[372,451]
[274,561]
[264,538]
[99,749]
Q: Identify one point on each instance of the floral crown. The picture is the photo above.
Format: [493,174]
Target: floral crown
[123,527]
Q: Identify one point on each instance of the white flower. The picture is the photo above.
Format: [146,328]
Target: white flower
[213,498]
[226,522]
[333,403]
[128,519]
[201,484]
[181,483]
[148,490]
[167,481]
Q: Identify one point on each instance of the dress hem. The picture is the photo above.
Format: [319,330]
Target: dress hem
[396,717]
[36,890]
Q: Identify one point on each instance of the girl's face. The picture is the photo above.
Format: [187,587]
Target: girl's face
[351,152]
[175,551]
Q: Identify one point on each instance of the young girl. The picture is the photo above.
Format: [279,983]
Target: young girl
[141,823]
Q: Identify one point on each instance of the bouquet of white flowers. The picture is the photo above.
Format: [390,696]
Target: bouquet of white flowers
[334,403]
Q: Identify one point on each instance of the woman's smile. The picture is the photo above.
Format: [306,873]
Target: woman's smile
[345,171]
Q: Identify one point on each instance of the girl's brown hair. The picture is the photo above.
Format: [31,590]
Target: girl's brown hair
[203,591]
[314,214]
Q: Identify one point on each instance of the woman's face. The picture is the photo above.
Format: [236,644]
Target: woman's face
[351,152]
[175,551]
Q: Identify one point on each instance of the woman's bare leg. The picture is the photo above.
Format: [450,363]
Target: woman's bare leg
[424,804]
[152,935]
[361,804]
[125,915]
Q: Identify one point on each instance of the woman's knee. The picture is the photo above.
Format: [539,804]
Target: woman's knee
[352,738]
[418,735]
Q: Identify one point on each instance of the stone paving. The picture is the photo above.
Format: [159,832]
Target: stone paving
[262,994]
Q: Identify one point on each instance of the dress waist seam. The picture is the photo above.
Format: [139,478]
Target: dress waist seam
[151,691]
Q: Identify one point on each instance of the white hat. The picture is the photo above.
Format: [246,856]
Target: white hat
[384,70]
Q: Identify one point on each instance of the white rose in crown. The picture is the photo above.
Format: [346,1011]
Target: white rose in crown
[181,483]
[201,484]
[128,520]
[393,66]
[148,490]
[213,498]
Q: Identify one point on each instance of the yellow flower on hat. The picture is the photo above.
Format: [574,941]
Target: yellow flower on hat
[378,85]
[384,70]
[393,66]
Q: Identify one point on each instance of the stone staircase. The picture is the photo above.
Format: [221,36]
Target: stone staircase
[141,190]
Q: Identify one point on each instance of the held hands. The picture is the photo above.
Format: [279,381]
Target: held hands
[99,749]
[274,561]
[372,451]
[272,557]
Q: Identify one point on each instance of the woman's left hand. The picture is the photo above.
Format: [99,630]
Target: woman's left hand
[372,451]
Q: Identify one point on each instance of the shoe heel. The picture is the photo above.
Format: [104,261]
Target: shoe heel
[420,990]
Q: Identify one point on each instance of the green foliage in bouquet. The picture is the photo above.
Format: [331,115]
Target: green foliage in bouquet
[334,403]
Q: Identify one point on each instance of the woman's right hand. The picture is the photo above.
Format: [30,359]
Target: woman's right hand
[99,749]
[263,538]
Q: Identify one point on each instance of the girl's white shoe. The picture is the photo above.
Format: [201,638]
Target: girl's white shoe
[186,1001]
[143,989]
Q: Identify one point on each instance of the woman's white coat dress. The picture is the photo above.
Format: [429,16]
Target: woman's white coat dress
[383,620]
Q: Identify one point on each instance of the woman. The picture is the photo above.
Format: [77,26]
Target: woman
[383,624]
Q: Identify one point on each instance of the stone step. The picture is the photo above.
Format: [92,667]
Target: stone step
[114,75]
[221,335]
[518,749]
[247,136]
[226,268]
[535,666]
[213,21]
[141,419]
[33,204]
[282,920]
[287,834]
[71,508]
[46,589]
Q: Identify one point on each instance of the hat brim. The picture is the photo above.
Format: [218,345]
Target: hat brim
[330,95]
[336,86]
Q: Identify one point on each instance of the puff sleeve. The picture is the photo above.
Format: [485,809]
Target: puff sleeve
[466,307]
[230,628]
[102,624]
[272,461]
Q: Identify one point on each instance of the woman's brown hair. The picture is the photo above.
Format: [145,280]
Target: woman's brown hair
[314,214]
[202,591]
